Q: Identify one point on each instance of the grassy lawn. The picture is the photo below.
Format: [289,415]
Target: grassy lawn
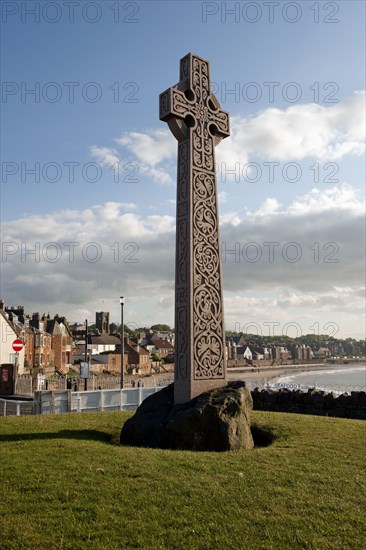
[66,484]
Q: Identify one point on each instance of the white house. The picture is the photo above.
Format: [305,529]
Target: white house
[103,342]
[7,336]
[248,354]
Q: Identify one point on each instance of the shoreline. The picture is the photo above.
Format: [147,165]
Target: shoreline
[265,375]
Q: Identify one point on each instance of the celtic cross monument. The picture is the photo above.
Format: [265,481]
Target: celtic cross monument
[195,118]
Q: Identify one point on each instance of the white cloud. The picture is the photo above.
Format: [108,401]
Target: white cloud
[268,208]
[342,198]
[147,149]
[304,130]
[308,130]
[137,259]
[158,174]
[105,155]
[150,148]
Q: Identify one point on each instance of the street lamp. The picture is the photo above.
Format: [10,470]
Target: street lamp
[122,302]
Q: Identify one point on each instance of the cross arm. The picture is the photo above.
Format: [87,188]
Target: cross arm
[174,107]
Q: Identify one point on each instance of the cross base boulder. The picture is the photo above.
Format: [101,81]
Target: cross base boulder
[217,420]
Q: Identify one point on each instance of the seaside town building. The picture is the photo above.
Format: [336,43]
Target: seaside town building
[50,347]
[8,333]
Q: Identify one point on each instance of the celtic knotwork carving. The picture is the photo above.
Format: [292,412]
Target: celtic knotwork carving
[182,250]
[205,211]
[182,343]
[180,103]
[183,167]
[207,300]
[197,121]
[181,294]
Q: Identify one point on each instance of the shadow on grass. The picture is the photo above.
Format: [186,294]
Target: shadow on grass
[88,435]
[263,437]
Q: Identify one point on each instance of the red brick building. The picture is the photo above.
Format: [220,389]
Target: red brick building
[43,354]
[163,348]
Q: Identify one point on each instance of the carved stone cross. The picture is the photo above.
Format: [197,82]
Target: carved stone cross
[195,118]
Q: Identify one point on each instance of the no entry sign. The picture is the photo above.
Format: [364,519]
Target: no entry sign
[18,345]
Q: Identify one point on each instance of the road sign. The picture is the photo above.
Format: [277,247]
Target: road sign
[18,344]
[84,370]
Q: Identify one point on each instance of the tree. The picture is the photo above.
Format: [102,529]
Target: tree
[127,330]
[113,328]
[160,327]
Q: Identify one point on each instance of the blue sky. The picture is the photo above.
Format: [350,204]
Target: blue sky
[97,104]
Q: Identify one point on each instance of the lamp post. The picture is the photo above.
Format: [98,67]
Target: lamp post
[86,352]
[122,302]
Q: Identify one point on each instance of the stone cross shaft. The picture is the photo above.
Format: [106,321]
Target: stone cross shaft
[195,118]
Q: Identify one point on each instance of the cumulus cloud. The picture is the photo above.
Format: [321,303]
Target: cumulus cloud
[307,130]
[315,242]
[147,149]
[303,260]
[105,155]
[293,134]
[338,313]
[150,148]
[222,196]
[338,198]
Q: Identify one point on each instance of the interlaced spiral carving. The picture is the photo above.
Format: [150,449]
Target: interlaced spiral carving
[197,121]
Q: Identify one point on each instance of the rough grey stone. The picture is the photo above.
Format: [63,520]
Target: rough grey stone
[216,420]
[313,402]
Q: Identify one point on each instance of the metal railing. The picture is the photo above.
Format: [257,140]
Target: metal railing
[24,385]
[10,407]
[63,401]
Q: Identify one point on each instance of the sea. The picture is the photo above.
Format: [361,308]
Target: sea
[339,379]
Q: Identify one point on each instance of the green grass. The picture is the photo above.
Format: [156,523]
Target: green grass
[66,484]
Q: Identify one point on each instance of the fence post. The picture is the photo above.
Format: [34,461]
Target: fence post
[68,400]
[18,408]
[37,402]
